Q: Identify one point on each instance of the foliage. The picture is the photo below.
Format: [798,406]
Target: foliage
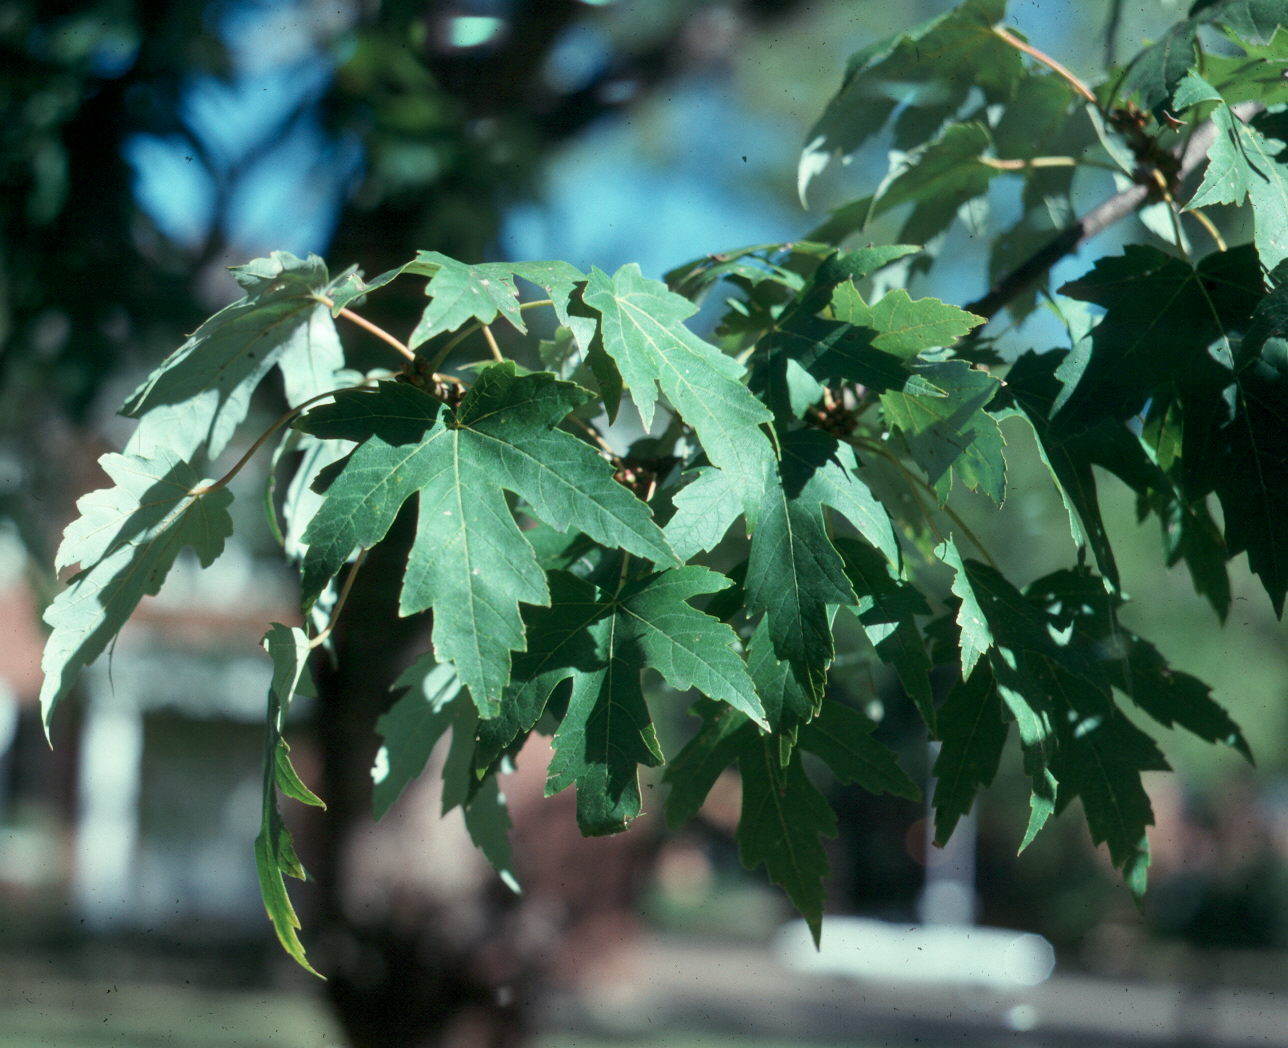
[802,468]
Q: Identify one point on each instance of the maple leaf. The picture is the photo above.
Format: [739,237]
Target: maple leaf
[460,293]
[783,820]
[1155,72]
[1242,165]
[794,572]
[275,856]
[1057,684]
[1163,316]
[947,56]
[974,733]
[126,539]
[886,609]
[902,325]
[1032,388]
[606,732]
[643,332]
[951,434]
[469,560]
[433,706]
[194,401]
[843,738]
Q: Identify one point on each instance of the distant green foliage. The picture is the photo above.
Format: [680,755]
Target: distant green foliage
[800,468]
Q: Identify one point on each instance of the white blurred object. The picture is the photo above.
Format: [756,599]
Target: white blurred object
[862,948]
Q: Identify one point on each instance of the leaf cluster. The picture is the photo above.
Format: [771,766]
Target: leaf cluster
[653,517]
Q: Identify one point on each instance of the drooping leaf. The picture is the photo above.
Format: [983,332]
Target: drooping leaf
[487,820]
[783,821]
[887,610]
[694,770]
[843,738]
[275,856]
[433,705]
[787,702]
[976,636]
[1253,483]
[1163,316]
[1032,389]
[794,572]
[192,403]
[1076,600]
[1156,71]
[974,732]
[125,541]
[643,331]
[938,179]
[606,732]
[469,561]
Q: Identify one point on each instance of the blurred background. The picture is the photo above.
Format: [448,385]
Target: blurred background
[146,146]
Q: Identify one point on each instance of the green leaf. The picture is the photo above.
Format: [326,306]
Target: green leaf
[705,509]
[487,819]
[275,856]
[795,573]
[887,610]
[433,704]
[1252,477]
[974,732]
[1243,165]
[1254,76]
[1156,71]
[929,69]
[694,770]
[125,541]
[559,645]
[1163,317]
[789,702]
[953,434]
[469,561]
[781,825]
[843,738]
[976,636]
[643,331]
[1032,388]
[904,326]
[1077,600]
[460,293]
[607,732]
[938,179]
[194,401]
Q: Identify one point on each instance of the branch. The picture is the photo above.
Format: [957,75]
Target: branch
[1112,210]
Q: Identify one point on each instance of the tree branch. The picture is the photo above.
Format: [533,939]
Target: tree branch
[1100,218]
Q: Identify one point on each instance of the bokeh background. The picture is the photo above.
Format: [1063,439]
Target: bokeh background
[146,146]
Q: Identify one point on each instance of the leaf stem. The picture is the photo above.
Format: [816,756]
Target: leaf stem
[1111,210]
[367,325]
[1212,231]
[497,355]
[594,435]
[262,439]
[320,639]
[1161,182]
[465,333]
[946,509]
[1046,60]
